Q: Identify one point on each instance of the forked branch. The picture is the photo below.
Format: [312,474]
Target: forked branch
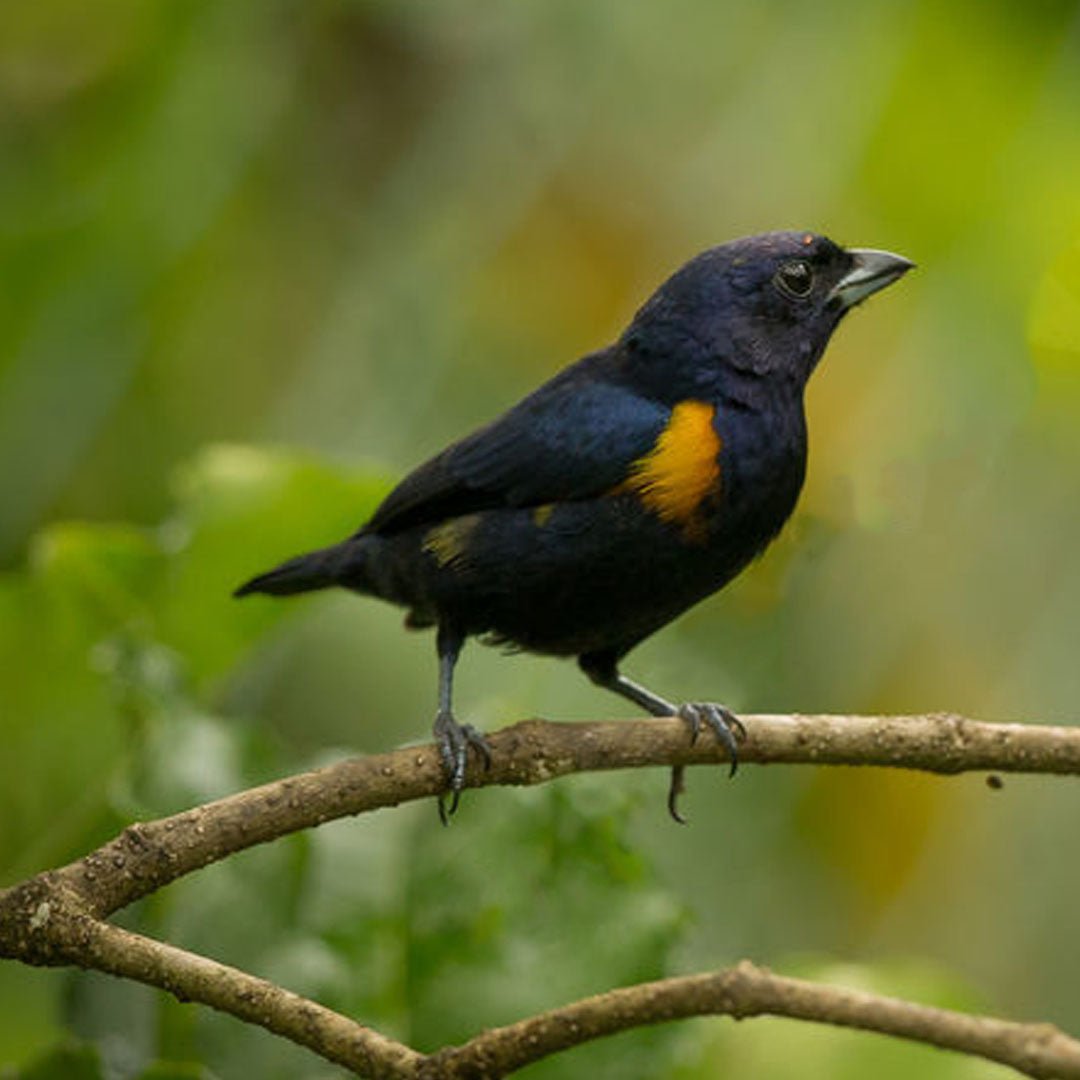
[57,918]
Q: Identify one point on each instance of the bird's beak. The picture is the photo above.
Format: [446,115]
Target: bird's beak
[871,270]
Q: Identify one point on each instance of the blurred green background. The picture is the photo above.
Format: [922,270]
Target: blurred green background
[259,257]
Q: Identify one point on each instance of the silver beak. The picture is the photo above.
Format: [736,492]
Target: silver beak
[872,270]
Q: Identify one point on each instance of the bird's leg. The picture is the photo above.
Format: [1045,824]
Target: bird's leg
[453,739]
[603,670]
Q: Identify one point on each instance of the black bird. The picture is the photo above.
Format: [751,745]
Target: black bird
[633,484]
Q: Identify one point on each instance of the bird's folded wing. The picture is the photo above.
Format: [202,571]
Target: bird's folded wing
[574,438]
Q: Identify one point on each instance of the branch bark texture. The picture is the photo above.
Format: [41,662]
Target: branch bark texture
[58,917]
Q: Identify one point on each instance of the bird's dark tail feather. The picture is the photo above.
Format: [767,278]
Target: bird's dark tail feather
[305,573]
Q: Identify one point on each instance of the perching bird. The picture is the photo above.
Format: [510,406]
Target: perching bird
[633,484]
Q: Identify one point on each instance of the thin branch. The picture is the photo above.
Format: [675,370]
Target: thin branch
[56,917]
[91,943]
[1038,1050]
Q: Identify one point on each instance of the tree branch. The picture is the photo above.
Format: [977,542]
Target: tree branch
[56,917]
[78,938]
[148,855]
[747,990]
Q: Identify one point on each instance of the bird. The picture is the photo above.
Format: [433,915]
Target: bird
[627,488]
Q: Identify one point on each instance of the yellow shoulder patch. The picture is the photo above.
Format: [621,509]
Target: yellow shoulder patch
[446,541]
[682,469]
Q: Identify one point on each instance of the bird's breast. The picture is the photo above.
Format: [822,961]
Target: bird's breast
[763,464]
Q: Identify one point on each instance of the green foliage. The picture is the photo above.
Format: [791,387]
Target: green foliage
[104,660]
[84,1061]
[363,228]
[111,627]
[421,931]
[70,1061]
[531,899]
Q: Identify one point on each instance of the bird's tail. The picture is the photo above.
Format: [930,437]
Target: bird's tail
[304,573]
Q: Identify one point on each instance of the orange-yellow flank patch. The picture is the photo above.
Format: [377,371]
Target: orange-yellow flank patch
[682,469]
[448,541]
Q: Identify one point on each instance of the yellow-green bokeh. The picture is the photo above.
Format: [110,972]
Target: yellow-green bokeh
[271,253]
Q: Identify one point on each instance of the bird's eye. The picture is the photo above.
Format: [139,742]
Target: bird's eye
[795,278]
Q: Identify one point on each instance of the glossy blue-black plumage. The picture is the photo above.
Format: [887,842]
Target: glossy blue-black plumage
[570,439]
[531,531]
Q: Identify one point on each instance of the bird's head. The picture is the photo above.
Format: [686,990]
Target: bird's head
[764,305]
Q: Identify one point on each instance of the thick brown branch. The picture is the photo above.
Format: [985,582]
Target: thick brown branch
[1039,1050]
[148,855]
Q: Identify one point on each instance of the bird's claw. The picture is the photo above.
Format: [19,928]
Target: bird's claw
[453,740]
[675,789]
[724,724]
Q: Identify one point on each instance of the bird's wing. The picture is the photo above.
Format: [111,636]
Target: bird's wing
[575,437]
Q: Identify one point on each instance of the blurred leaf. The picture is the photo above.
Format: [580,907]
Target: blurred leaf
[1054,329]
[176,1071]
[553,877]
[964,54]
[60,729]
[240,511]
[30,1002]
[112,626]
[71,1062]
[874,851]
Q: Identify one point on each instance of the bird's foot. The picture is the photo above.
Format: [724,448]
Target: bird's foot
[724,724]
[453,740]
